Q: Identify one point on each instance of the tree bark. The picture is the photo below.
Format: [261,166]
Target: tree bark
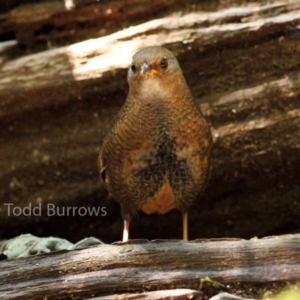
[144,266]
[68,67]
[162,295]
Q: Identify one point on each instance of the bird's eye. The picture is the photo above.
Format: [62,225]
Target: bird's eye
[133,68]
[164,63]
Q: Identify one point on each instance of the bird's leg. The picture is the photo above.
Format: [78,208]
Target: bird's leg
[185,225]
[126,230]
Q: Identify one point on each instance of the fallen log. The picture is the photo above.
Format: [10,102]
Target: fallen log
[57,75]
[162,295]
[53,22]
[180,294]
[144,266]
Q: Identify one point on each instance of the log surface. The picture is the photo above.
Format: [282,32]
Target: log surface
[140,265]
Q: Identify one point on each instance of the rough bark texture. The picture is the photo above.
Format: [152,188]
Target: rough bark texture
[144,266]
[242,65]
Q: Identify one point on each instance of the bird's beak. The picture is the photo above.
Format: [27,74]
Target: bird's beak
[145,68]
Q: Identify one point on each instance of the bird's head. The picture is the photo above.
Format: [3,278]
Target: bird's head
[154,74]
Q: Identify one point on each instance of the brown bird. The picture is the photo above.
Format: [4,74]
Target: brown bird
[156,157]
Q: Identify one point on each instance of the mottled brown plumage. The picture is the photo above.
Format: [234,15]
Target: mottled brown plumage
[156,157]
